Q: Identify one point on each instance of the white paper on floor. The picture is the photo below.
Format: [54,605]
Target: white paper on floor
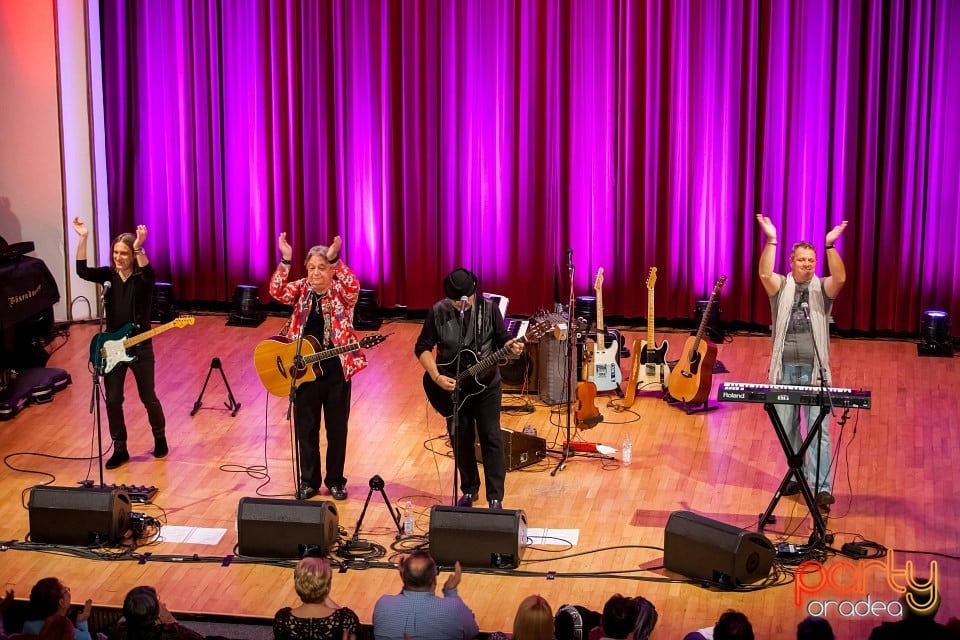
[193,535]
[554,537]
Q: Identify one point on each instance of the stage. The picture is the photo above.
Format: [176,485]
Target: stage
[895,482]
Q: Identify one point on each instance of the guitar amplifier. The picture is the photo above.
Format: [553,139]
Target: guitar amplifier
[519,449]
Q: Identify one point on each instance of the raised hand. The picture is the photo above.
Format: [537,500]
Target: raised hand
[141,236]
[767,226]
[834,233]
[85,613]
[334,249]
[286,251]
[454,580]
[80,227]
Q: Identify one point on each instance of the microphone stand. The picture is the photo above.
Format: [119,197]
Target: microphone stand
[96,392]
[824,393]
[297,365]
[568,373]
[455,397]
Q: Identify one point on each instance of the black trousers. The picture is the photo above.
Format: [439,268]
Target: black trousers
[481,416]
[143,372]
[330,395]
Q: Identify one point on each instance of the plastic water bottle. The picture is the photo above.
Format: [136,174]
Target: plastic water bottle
[626,451]
[408,518]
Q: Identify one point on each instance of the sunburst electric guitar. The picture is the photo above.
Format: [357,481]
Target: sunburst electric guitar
[606,359]
[692,376]
[654,369]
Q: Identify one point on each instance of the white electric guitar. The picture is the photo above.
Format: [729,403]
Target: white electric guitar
[654,370]
[606,359]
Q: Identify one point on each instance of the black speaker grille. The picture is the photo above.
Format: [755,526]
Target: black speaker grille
[272,528]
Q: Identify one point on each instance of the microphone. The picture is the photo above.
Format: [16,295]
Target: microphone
[463,305]
[103,289]
[806,310]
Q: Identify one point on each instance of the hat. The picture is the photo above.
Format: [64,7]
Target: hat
[459,283]
[574,622]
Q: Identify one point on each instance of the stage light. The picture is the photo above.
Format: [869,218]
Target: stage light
[935,334]
[246,307]
[366,313]
[162,310]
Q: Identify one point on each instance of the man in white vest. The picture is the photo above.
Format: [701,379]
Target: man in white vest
[801,303]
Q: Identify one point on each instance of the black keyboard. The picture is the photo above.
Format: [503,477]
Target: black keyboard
[793,394]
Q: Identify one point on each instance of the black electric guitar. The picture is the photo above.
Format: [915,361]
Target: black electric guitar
[654,369]
[107,350]
[470,368]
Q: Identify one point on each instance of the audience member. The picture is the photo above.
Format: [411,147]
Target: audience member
[619,617]
[146,618]
[814,628]
[57,627]
[50,597]
[574,622]
[319,617]
[919,610]
[417,613]
[534,621]
[4,605]
[646,618]
[732,625]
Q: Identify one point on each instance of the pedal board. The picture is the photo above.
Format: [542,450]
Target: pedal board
[138,493]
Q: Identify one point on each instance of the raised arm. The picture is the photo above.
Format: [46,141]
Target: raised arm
[770,280]
[838,273]
[81,228]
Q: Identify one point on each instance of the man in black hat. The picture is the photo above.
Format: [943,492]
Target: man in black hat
[471,327]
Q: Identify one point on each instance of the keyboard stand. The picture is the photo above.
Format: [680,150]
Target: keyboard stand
[795,471]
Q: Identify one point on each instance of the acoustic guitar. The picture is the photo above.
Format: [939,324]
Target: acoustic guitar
[630,393]
[586,416]
[471,366]
[655,370]
[277,362]
[107,350]
[692,377]
[606,372]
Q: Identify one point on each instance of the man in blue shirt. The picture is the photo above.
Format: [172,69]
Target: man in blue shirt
[417,613]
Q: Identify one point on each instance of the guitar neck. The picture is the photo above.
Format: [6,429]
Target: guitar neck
[146,335]
[329,353]
[601,342]
[480,365]
[650,333]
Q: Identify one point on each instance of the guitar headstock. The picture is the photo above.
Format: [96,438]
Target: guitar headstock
[538,330]
[372,340]
[598,282]
[719,285]
[183,321]
[652,278]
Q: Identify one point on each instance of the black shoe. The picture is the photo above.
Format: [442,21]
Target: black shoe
[825,499]
[495,505]
[792,488]
[467,500]
[160,449]
[305,492]
[338,492]
[118,458]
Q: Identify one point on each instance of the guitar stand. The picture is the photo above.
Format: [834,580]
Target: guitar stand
[689,409]
[232,405]
[355,543]
[795,472]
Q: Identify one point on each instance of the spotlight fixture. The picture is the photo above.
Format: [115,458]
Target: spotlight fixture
[935,334]
[162,310]
[366,312]
[246,307]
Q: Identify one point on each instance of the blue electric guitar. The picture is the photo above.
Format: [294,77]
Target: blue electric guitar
[107,350]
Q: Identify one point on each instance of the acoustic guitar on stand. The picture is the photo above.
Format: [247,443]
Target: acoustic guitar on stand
[606,360]
[692,376]
[655,370]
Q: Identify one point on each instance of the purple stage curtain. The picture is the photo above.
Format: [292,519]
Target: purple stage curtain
[499,135]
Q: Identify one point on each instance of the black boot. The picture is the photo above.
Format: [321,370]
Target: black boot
[119,457]
[160,449]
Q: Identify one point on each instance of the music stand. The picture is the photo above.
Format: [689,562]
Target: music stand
[795,470]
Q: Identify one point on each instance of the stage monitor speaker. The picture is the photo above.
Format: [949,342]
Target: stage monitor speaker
[482,538]
[705,549]
[78,515]
[272,528]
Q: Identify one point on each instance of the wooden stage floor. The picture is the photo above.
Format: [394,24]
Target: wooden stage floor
[896,482]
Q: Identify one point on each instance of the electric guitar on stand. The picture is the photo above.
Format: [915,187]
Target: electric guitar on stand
[692,376]
[655,370]
[606,359]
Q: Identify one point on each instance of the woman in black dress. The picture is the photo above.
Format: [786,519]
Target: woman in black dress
[318,617]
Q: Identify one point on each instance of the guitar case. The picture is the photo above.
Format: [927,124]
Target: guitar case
[32,386]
